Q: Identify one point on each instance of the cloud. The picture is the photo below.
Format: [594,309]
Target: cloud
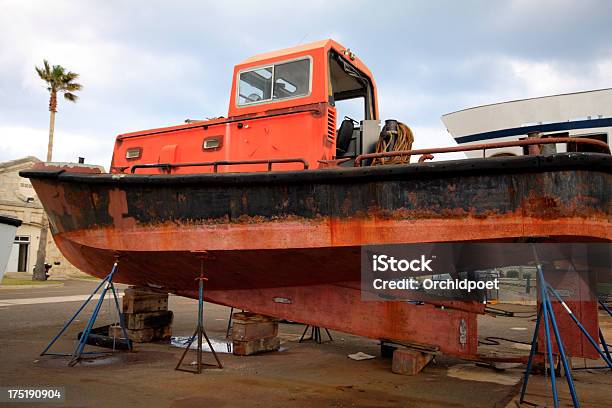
[20,141]
[150,64]
[544,78]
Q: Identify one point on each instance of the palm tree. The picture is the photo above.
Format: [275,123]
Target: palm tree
[58,81]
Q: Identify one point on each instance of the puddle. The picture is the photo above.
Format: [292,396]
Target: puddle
[106,358]
[98,361]
[220,346]
[472,372]
[90,360]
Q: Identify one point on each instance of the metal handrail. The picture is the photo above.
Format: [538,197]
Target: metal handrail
[482,146]
[169,166]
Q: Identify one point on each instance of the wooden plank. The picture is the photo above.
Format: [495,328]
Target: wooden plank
[137,336]
[247,348]
[137,291]
[137,303]
[138,321]
[252,317]
[246,331]
[144,335]
[409,362]
[163,334]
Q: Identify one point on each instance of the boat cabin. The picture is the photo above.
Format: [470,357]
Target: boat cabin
[284,114]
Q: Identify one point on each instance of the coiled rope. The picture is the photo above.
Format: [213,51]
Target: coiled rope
[392,141]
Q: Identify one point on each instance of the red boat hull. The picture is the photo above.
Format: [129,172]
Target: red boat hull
[288,244]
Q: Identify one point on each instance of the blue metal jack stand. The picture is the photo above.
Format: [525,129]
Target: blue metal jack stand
[546,311]
[199,333]
[78,351]
[602,339]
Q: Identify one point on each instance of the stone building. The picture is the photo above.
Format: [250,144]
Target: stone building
[18,199]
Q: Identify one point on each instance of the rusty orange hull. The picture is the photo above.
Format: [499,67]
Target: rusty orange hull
[287,244]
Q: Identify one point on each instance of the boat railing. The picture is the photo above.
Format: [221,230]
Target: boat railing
[427,154]
[215,164]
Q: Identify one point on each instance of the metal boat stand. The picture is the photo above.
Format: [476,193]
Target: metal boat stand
[547,314]
[229,322]
[605,353]
[315,334]
[602,339]
[78,353]
[199,332]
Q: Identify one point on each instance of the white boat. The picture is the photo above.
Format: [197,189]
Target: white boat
[579,114]
[8,227]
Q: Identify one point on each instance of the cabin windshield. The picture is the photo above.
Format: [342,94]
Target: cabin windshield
[350,90]
[284,80]
[351,93]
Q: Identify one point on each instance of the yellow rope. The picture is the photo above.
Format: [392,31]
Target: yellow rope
[403,141]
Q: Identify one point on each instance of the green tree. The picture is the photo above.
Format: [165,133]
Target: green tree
[58,80]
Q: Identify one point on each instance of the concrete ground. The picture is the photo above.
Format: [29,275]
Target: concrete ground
[304,374]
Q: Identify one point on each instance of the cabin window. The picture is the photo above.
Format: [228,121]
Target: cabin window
[292,79]
[281,81]
[255,85]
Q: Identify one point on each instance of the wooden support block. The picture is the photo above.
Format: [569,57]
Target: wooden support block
[254,333]
[146,316]
[143,335]
[142,292]
[252,317]
[136,300]
[249,326]
[163,333]
[137,336]
[247,348]
[409,362]
[138,321]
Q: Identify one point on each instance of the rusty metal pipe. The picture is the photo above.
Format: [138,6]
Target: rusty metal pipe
[483,146]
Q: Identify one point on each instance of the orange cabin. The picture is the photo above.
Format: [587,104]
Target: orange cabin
[283,113]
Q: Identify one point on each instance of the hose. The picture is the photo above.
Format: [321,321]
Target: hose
[493,341]
[394,137]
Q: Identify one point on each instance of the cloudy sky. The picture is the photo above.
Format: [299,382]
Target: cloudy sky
[147,64]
